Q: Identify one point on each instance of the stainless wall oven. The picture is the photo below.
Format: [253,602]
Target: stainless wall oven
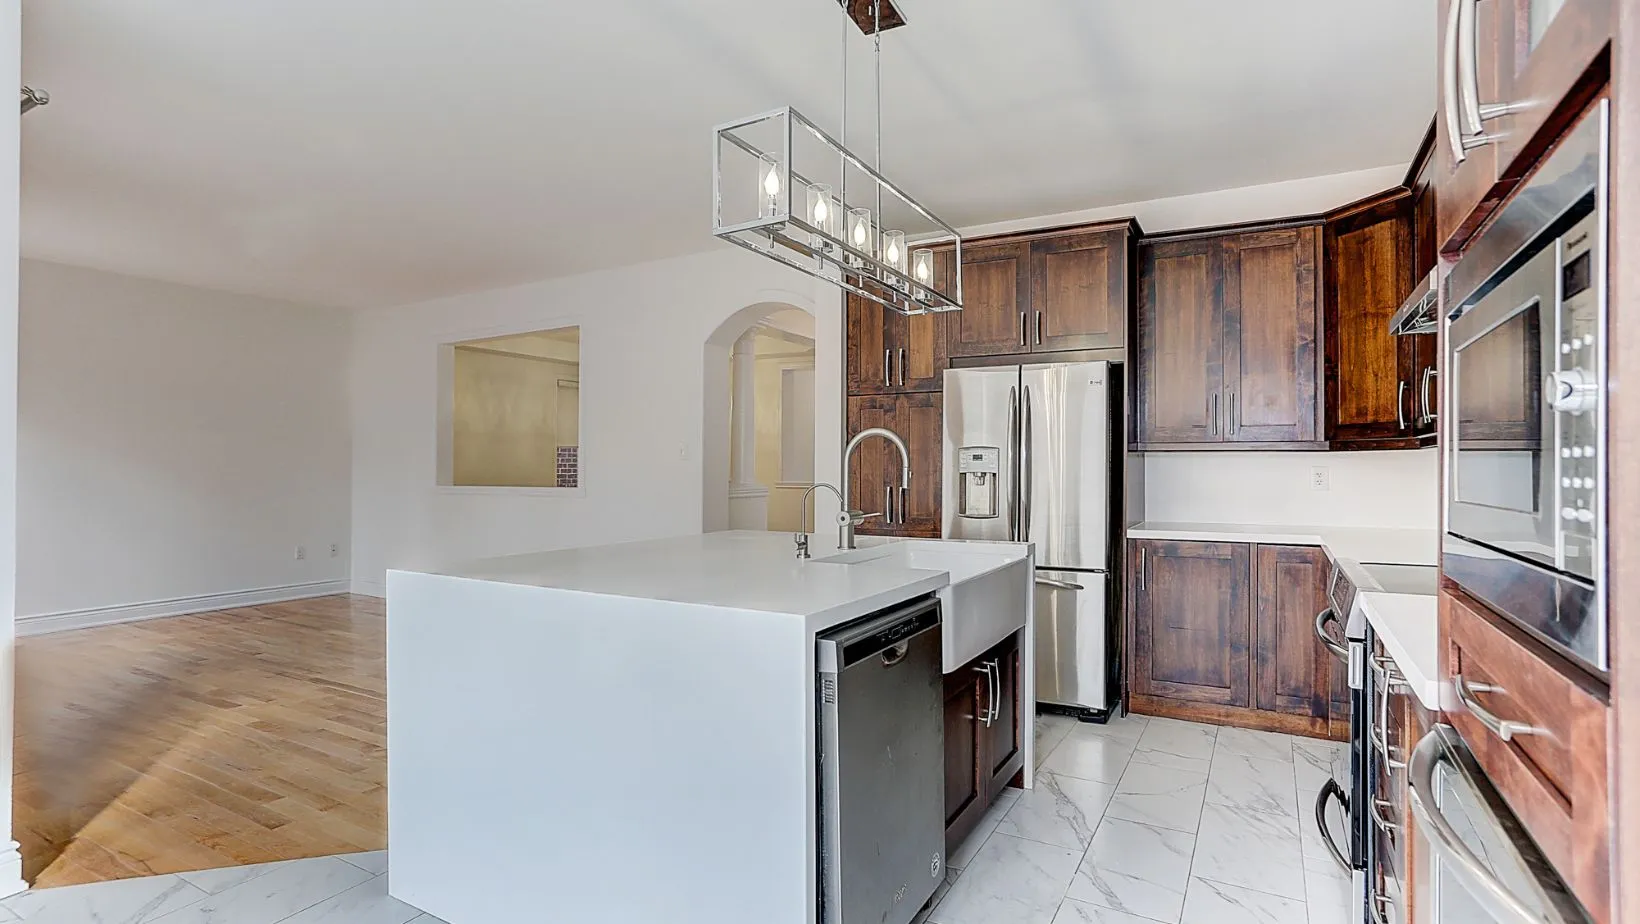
[1479,865]
[1525,464]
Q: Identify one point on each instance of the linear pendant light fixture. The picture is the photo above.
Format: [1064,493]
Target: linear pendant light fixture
[784,188]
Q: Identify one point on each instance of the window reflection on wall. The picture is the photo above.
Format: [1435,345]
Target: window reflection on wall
[514,412]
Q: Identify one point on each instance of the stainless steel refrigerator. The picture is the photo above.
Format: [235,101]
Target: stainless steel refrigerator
[1027,458]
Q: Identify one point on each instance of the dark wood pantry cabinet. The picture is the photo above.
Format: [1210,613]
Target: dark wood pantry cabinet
[1223,632]
[1228,340]
[984,739]
[874,473]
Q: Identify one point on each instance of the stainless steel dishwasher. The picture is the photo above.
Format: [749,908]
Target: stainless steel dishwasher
[880,705]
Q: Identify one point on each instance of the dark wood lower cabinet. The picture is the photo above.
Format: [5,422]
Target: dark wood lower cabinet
[984,744]
[1223,632]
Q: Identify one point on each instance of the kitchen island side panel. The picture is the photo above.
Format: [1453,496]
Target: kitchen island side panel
[557,755]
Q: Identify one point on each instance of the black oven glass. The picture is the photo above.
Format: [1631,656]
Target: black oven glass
[1500,428]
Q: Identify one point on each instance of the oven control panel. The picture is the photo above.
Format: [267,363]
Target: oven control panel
[1575,391]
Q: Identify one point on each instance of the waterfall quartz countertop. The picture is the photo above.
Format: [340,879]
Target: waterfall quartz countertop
[1407,624]
[629,730]
[741,570]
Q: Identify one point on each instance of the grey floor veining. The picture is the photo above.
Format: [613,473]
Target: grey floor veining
[1142,821]
[1153,821]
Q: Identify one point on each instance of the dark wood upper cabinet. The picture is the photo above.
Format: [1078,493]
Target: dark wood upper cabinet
[995,291]
[1373,381]
[1291,673]
[1192,619]
[1228,339]
[1079,291]
[890,353]
[1551,59]
[1537,64]
[1272,367]
[1180,342]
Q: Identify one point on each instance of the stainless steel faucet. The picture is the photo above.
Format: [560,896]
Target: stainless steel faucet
[802,534]
[849,519]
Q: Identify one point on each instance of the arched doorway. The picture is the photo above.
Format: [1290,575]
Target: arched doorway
[758,446]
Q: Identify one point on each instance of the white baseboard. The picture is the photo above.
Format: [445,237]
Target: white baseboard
[364,588]
[42,623]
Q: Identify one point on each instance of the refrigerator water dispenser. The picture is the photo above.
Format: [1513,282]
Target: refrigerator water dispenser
[977,468]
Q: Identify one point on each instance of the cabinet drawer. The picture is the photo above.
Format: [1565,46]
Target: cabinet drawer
[1554,779]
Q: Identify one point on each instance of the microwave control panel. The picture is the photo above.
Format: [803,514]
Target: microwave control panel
[1575,391]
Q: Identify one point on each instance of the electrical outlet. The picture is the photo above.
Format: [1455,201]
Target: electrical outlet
[335,549]
[301,553]
[1320,478]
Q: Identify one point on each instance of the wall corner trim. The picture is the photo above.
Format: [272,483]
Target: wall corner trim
[43,623]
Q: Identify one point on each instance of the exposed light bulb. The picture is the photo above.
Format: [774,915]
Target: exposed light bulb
[922,271]
[771,182]
[892,254]
[860,233]
[819,213]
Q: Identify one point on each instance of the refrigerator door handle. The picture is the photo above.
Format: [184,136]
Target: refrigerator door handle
[1058,585]
[1013,452]
[1027,451]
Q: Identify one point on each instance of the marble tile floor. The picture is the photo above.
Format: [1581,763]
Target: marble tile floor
[1152,821]
[349,889]
[1142,821]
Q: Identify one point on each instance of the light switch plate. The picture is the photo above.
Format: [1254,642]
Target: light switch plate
[1320,478]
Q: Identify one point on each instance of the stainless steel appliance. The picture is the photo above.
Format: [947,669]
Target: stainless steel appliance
[1348,811]
[1479,864]
[1027,458]
[1525,473]
[881,750]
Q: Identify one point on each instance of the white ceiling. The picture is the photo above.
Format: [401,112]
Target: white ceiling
[371,152]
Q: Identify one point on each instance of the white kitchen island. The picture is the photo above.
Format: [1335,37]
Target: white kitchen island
[627,733]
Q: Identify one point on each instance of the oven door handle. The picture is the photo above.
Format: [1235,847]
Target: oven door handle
[1331,791]
[1449,845]
[1341,652]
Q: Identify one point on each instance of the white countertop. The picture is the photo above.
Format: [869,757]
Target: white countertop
[1363,544]
[744,570]
[1408,627]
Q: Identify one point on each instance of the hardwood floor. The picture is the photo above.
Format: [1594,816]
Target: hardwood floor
[201,741]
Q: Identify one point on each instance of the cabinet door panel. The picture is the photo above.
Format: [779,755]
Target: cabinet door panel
[917,419]
[1270,350]
[1192,620]
[873,470]
[965,778]
[1371,384]
[870,347]
[1002,737]
[1078,291]
[995,292]
[1544,54]
[1290,666]
[1180,343]
[925,340]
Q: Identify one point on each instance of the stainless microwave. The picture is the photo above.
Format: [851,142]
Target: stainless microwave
[1524,446]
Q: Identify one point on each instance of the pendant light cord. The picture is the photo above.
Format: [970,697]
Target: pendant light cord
[877,41]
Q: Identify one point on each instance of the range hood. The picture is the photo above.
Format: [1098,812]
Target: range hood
[1417,314]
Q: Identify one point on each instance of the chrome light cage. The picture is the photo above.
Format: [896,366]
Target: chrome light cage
[785,234]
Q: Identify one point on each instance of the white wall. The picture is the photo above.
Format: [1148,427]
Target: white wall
[175,442]
[1367,488]
[646,368]
[11,63]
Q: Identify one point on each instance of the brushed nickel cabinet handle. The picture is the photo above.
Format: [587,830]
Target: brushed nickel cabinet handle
[1400,405]
[888,505]
[1022,324]
[1142,563]
[1039,328]
[902,365]
[1449,83]
[1505,729]
[888,368]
